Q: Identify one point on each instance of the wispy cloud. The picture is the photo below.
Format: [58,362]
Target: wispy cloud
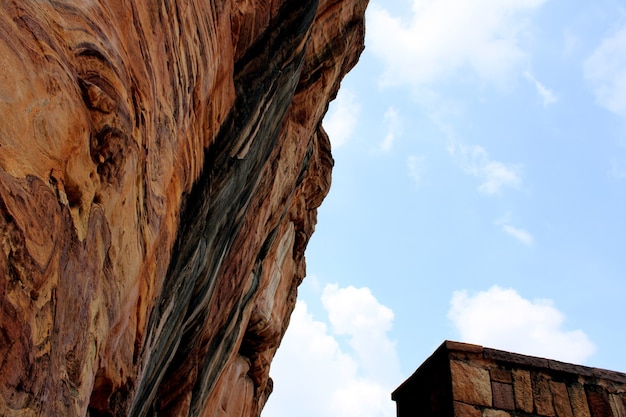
[342,118]
[331,379]
[392,119]
[417,167]
[441,38]
[523,236]
[502,319]
[475,160]
[547,96]
[605,70]
[519,234]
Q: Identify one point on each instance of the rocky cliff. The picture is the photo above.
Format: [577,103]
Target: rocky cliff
[161,163]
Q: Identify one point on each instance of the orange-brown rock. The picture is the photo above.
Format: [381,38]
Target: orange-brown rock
[161,164]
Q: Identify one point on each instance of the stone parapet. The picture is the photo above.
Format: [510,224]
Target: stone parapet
[465,380]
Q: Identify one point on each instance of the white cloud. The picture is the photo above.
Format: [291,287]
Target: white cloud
[416,166]
[448,37]
[500,318]
[545,93]
[521,235]
[342,118]
[315,376]
[475,161]
[393,122]
[355,312]
[306,355]
[605,70]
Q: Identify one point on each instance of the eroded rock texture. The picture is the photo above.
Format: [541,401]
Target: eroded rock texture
[161,163]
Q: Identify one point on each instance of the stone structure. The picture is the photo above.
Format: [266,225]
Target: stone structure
[161,163]
[464,380]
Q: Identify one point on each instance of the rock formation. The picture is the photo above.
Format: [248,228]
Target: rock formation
[161,163]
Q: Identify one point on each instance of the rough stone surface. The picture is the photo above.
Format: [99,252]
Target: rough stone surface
[578,399]
[617,405]
[503,396]
[490,412]
[542,394]
[562,403]
[470,384]
[523,390]
[494,383]
[161,164]
[501,375]
[466,410]
[598,401]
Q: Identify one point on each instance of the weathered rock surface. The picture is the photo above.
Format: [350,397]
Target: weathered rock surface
[464,380]
[160,168]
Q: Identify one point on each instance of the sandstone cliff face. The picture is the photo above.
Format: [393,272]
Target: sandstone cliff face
[160,168]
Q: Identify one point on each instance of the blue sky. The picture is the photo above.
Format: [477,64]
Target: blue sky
[479,195]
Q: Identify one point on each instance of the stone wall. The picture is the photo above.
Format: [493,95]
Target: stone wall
[466,380]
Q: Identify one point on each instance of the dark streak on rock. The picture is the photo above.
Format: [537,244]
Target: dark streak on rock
[213,213]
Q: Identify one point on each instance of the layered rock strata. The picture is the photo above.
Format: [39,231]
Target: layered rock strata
[161,164]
